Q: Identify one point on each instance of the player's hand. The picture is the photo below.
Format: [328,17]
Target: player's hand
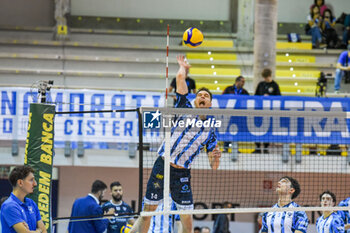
[216,152]
[182,62]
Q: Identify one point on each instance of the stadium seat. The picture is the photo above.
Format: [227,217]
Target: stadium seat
[214,56]
[296,58]
[293,46]
[215,71]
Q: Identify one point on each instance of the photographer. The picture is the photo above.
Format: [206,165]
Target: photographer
[343,68]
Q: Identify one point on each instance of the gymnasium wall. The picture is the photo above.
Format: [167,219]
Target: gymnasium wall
[27,13]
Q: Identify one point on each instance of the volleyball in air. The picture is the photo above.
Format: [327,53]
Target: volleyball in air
[126,228]
[192,37]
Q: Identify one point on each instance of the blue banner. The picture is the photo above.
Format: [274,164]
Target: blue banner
[123,127]
[284,129]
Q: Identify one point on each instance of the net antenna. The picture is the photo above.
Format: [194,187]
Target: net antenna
[167,67]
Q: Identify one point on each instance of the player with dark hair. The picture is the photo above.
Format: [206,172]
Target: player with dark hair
[89,206]
[186,144]
[287,189]
[345,215]
[330,221]
[120,207]
[20,213]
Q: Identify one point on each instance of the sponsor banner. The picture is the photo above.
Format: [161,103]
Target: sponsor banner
[123,127]
[39,153]
[92,127]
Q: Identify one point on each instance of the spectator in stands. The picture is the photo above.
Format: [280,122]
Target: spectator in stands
[321,5]
[205,230]
[266,88]
[90,206]
[222,221]
[313,28]
[191,84]
[328,23]
[343,68]
[237,88]
[346,32]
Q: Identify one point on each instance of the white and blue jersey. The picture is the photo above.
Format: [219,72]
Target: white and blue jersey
[187,142]
[115,224]
[159,223]
[285,222]
[332,224]
[345,215]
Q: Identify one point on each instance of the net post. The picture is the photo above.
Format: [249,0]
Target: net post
[140,148]
[348,157]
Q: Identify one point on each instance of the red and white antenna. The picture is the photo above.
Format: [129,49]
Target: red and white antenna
[167,67]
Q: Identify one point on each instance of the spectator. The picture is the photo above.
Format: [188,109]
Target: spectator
[90,206]
[20,213]
[343,68]
[205,230]
[222,221]
[313,28]
[321,5]
[328,23]
[266,88]
[346,32]
[191,84]
[197,230]
[237,88]
[119,206]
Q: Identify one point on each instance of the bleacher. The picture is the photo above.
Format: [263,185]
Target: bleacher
[124,60]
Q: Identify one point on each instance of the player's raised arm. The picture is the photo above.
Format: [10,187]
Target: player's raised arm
[181,86]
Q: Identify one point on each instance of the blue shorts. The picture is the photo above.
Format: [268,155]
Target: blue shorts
[180,186]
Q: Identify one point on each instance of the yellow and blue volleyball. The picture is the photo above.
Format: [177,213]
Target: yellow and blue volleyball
[192,37]
[126,228]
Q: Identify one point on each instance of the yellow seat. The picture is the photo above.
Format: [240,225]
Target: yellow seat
[215,71]
[218,43]
[212,86]
[214,56]
[297,82]
[246,147]
[290,45]
[298,89]
[298,73]
[296,58]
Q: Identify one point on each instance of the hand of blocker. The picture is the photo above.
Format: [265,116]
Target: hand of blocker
[183,61]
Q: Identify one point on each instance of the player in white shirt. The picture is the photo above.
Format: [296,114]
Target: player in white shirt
[330,221]
[287,189]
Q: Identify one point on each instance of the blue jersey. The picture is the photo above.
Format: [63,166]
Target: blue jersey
[345,215]
[159,222]
[332,224]
[285,222]
[189,138]
[343,58]
[115,224]
[14,211]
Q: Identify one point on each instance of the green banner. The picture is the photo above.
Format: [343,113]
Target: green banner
[39,153]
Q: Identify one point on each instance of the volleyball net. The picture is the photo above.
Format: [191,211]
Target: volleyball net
[258,148]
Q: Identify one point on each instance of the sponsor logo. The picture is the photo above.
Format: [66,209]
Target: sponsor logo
[184,179]
[153,120]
